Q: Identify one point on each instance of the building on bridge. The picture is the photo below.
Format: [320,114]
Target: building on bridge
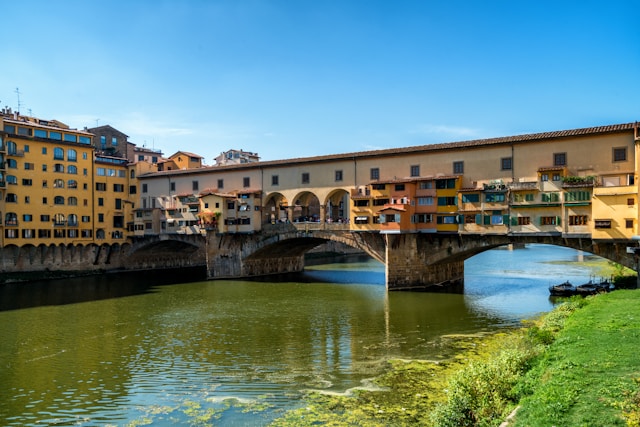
[537,183]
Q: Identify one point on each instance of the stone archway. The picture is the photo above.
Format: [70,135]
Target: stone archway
[276,208]
[336,207]
[306,207]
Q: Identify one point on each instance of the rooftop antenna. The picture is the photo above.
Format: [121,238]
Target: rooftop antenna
[18,93]
[97,120]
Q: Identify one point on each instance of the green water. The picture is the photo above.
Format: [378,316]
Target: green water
[135,350]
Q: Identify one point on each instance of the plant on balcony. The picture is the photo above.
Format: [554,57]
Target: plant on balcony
[578,180]
[209,219]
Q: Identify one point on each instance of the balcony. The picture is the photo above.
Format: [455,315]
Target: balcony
[529,185]
[579,181]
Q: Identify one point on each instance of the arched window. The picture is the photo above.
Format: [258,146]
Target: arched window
[58,153]
[71,169]
[72,156]
[58,167]
[11,218]
[58,219]
[72,220]
[72,201]
[12,164]
[58,183]
[12,179]
[72,183]
[133,174]
[58,200]
[100,234]
[12,148]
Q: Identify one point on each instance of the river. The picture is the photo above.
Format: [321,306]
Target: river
[128,350]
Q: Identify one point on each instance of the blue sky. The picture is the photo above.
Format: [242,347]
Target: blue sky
[298,78]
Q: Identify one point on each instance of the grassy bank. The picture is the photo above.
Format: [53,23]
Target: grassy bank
[578,365]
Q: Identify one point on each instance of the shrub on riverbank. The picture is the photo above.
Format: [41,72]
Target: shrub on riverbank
[485,391]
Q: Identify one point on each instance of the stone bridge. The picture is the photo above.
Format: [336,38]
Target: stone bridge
[413,261]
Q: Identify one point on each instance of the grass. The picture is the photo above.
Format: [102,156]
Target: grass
[590,375]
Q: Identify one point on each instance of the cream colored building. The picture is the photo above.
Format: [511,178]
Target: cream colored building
[545,183]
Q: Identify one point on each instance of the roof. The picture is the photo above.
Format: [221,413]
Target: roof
[186,153]
[506,140]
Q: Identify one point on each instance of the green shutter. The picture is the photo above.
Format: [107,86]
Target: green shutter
[514,220]
[557,220]
[478,219]
[505,219]
[487,220]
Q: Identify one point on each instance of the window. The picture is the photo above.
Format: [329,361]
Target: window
[118,203]
[73,170]
[494,197]
[100,201]
[362,220]
[449,183]
[274,180]
[133,189]
[101,172]
[602,223]
[628,223]
[58,200]
[620,154]
[100,217]
[549,220]
[11,179]
[458,167]
[338,175]
[70,137]
[544,177]
[144,188]
[25,131]
[11,218]
[378,186]
[631,202]
[578,219]
[58,167]
[12,164]
[506,163]
[45,218]
[72,201]
[72,220]
[425,185]
[447,201]
[220,184]
[58,153]
[415,170]
[471,198]
[246,182]
[399,187]
[425,201]
[524,220]
[361,203]
[305,178]
[555,177]
[44,150]
[55,135]
[374,173]
[559,159]
[231,205]
[575,196]
[72,155]
[44,201]
[421,218]
[11,198]
[194,185]
[550,197]
[86,218]
[114,141]
[119,188]
[103,143]
[448,219]
[101,186]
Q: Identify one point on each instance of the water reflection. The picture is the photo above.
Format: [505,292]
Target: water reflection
[159,352]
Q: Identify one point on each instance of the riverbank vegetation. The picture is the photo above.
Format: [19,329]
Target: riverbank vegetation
[576,365]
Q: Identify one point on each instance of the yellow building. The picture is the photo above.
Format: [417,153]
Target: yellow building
[47,182]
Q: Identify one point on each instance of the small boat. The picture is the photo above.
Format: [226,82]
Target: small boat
[565,289]
[588,288]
